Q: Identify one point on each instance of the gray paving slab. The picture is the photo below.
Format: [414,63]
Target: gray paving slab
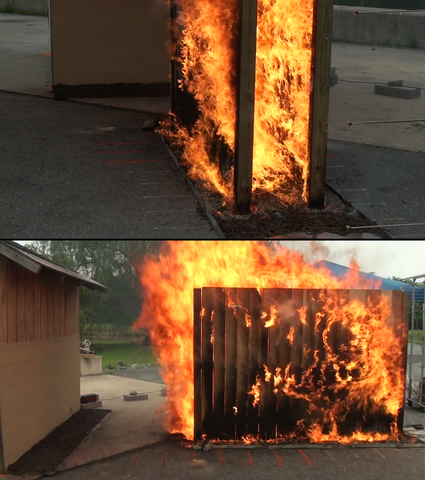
[73,170]
[384,184]
[25,61]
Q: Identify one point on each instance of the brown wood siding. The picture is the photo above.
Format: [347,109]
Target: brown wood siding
[110,41]
[39,390]
[36,307]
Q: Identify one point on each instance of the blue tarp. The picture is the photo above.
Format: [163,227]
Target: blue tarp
[386,283]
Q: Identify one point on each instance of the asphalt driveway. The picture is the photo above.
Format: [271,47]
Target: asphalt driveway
[72,170]
[169,460]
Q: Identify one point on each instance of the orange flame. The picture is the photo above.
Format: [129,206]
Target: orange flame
[290,335]
[373,372]
[282,95]
[255,391]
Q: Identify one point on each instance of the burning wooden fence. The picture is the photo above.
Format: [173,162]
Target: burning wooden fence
[291,364]
[289,145]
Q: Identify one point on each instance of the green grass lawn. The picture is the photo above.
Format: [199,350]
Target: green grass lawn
[417,336]
[123,350]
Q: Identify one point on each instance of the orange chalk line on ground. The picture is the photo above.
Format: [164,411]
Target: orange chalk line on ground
[164,459]
[151,425]
[81,456]
[111,452]
[222,461]
[305,456]
[279,461]
[134,161]
[250,459]
[130,424]
[136,458]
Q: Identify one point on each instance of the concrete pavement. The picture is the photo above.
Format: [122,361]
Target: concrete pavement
[83,171]
[169,460]
[25,61]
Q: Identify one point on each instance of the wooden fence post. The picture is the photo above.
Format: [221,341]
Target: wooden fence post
[322,46]
[174,47]
[244,141]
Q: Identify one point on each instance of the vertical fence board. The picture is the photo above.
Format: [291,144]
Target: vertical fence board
[254,358]
[242,363]
[77,311]
[3,299]
[284,358]
[197,363]
[29,305]
[219,359]
[207,359]
[230,363]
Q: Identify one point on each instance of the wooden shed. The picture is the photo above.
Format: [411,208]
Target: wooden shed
[39,348]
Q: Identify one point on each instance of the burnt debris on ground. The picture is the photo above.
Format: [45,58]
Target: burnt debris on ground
[270,216]
[48,454]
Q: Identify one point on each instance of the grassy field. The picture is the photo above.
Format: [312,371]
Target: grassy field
[417,336]
[123,350]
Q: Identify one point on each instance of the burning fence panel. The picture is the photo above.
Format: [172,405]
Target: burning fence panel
[280,365]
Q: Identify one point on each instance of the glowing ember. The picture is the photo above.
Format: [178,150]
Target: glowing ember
[283,78]
[371,379]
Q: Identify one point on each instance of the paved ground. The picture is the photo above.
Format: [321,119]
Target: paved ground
[357,102]
[384,184]
[77,171]
[25,62]
[168,460]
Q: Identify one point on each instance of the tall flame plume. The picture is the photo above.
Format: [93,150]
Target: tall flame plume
[168,283]
[282,97]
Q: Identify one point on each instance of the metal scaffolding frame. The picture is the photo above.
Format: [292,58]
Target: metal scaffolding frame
[413,323]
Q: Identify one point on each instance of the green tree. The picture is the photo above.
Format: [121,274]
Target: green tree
[111,263]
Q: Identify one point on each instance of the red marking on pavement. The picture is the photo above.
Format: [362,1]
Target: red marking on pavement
[81,457]
[47,54]
[134,161]
[164,459]
[250,459]
[124,151]
[279,461]
[136,458]
[192,462]
[222,461]
[129,143]
[130,424]
[111,452]
[153,421]
[305,456]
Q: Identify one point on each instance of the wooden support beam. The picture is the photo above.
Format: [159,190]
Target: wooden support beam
[174,47]
[322,45]
[244,141]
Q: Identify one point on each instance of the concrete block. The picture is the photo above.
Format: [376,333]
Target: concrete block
[333,71]
[135,398]
[87,406]
[398,92]
[90,366]
[164,392]
[334,80]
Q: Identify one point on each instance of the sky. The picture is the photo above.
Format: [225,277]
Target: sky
[385,258]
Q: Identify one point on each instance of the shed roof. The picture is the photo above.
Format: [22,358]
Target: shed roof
[386,283]
[35,262]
